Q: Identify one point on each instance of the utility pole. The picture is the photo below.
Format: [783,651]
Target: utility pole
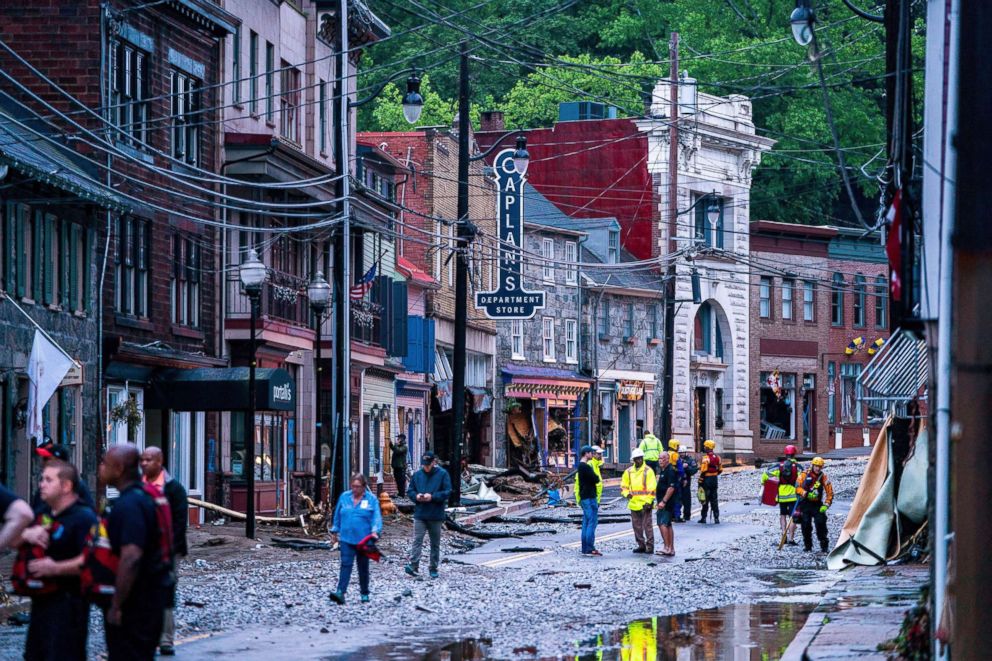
[465,235]
[340,383]
[673,192]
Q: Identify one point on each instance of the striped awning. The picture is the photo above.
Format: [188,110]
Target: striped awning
[897,374]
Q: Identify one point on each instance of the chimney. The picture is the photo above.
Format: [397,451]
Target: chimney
[492,120]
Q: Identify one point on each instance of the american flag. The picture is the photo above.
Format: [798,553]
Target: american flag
[364,285]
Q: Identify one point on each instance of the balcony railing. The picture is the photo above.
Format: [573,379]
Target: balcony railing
[284,297]
[366,323]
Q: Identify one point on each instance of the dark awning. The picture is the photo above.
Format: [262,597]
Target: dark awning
[221,389]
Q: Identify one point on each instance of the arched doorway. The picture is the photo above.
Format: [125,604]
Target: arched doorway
[711,352]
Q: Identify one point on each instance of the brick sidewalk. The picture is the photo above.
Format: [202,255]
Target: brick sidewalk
[859,613]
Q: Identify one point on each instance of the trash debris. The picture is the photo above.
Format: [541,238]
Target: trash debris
[298,544]
[424,609]
[582,586]
[200,563]
[324,630]
[194,604]
[522,549]
[214,541]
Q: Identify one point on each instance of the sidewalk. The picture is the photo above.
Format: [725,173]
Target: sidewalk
[862,611]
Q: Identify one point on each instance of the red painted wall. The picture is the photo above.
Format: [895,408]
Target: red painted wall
[592,169]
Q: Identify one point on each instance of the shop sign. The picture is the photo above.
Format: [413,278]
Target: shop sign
[631,391]
[509,300]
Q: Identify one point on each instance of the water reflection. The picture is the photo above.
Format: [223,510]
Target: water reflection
[742,632]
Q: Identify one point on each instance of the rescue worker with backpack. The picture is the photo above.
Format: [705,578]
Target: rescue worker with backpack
[787,474]
[709,469]
[652,448]
[816,494]
[690,468]
[675,461]
[48,565]
[638,486]
[139,536]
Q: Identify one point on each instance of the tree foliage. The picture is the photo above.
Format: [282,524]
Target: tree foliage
[530,55]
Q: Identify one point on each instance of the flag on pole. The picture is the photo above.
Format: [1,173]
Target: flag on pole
[893,245]
[364,285]
[47,366]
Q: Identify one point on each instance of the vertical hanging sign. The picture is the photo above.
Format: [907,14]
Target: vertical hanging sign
[509,300]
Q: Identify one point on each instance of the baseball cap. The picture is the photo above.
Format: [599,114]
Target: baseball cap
[585,448]
[52,451]
[427,458]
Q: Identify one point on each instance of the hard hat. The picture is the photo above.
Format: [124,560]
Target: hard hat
[673,444]
[709,445]
[637,453]
[790,449]
[597,450]
[818,461]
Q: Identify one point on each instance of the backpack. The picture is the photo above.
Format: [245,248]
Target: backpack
[20,579]
[98,575]
[788,472]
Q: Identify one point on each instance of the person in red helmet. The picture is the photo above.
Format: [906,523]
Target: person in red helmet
[787,474]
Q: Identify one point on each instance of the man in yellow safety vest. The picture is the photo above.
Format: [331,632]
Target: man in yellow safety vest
[652,448]
[638,486]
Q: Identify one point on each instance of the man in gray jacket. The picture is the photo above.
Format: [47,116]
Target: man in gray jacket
[429,490]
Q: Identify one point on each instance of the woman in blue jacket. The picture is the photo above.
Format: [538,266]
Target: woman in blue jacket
[356,516]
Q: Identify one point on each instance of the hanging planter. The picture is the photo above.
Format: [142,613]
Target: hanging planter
[512,405]
[126,412]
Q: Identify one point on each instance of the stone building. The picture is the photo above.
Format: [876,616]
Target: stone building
[52,207]
[718,150]
[541,395]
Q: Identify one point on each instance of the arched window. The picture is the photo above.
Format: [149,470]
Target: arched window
[707,338]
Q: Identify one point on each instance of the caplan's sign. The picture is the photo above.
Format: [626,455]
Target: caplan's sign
[509,300]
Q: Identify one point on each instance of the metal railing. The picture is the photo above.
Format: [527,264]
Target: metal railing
[284,297]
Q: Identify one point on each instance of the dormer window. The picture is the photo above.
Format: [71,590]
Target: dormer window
[613,249]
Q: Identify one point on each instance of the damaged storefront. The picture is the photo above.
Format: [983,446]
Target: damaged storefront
[543,409]
[626,403]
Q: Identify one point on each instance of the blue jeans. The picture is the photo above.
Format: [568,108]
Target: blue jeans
[349,555]
[590,518]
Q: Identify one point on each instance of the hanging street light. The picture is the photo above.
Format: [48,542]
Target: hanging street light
[521,157]
[802,19]
[413,102]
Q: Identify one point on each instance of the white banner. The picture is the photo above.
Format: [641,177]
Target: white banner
[47,366]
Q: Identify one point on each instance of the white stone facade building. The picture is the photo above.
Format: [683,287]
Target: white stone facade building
[718,151]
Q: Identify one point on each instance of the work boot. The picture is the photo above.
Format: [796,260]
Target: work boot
[823,547]
[365,599]
[808,549]
[166,650]
[716,522]
[702,520]
[337,598]
[433,573]
[411,570]
[640,549]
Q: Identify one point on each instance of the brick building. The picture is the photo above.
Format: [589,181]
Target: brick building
[51,208]
[858,309]
[814,290]
[160,68]
[427,237]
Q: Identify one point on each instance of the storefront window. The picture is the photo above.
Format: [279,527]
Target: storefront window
[269,430]
[850,392]
[778,398]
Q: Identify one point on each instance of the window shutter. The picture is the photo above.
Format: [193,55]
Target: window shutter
[385,297]
[22,222]
[428,344]
[9,242]
[400,327]
[177,257]
[48,266]
[65,250]
[414,358]
[87,263]
[194,262]
[72,296]
[38,253]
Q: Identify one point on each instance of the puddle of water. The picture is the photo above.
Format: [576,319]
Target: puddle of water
[742,632]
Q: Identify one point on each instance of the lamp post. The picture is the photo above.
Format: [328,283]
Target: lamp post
[319,293]
[466,233]
[413,104]
[252,274]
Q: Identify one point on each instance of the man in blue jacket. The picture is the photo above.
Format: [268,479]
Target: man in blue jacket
[429,490]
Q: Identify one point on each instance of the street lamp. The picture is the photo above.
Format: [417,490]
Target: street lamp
[413,103]
[802,19]
[252,274]
[319,293]
[521,157]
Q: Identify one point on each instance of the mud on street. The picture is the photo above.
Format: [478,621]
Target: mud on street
[545,602]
